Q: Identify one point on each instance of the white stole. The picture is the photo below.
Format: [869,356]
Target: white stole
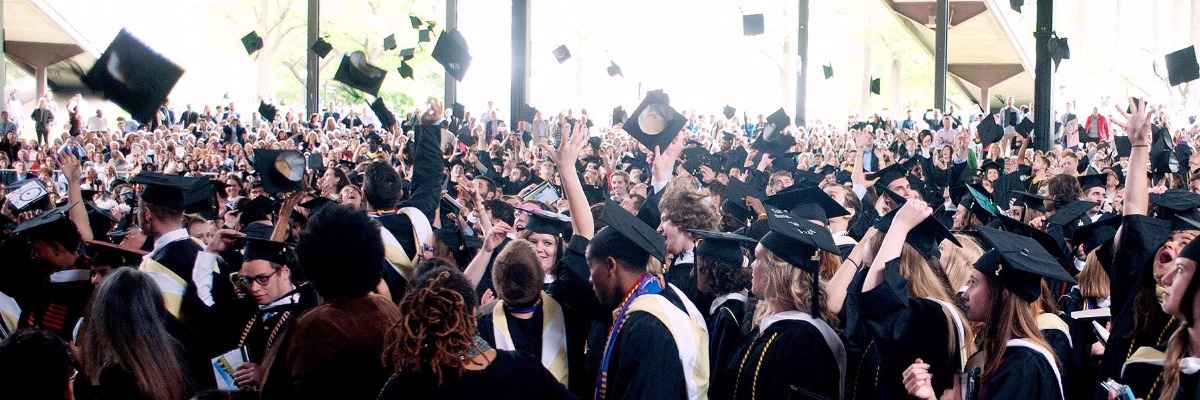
[1045,353]
[554,335]
[690,334]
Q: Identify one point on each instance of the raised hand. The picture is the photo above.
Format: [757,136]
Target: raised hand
[569,147]
[1136,122]
[911,213]
[69,164]
[433,114]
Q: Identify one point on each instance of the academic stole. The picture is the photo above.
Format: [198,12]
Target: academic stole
[648,284]
[401,261]
[554,338]
[171,284]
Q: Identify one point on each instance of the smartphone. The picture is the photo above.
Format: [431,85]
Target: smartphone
[1122,392]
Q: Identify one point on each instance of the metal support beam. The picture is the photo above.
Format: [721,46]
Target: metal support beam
[519,95]
[985,95]
[39,74]
[802,51]
[312,80]
[451,85]
[941,53]
[1043,77]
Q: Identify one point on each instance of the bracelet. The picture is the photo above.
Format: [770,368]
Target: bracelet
[762,215]
[1139,145]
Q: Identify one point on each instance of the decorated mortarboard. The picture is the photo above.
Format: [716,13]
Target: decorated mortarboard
[614,69]
[281,171]
[720,246]
[642,239]
[1182,66]
[772,140]
[451,51]
[1025,127]
[105,254]
[389,42]
[95,211]
[45,219]
[796,240]
[1018,263]
[133,76]
[926,237]
[729,112]
[989,131]
[542,221]
[386,119]
[752,24]
[1175,203]
[173,191]
[252,42]
[733,203]
[562,54]
[654,123]
[27,194]
[268,250]
[354,71]
[1095,234]
[983,206]
[321,47]
[810,203]
[695,157]
[889,174]
[267,111]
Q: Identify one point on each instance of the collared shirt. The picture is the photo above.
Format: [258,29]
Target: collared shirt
[167,238]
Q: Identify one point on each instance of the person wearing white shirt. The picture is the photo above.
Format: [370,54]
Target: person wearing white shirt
[97,123]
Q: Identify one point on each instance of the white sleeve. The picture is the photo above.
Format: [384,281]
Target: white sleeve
[202,276]
[859,190]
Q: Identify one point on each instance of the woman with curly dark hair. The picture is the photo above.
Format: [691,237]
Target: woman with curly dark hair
[437,353]
[722,273]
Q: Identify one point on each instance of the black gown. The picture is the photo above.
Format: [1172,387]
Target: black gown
[724,333]
[1061,345]
[645,363]
[1083,366]
[683,276]
[271,353]
[511,375]
[897,330]
[770,367]
[1023,374]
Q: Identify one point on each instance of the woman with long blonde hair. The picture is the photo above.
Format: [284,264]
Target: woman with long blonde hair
[791,322]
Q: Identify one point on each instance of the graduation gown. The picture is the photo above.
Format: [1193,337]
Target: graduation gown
[1143,371]
[172,267]
[511,375]
[1083,368]
[1024,373]
[725,329]
[1058,334]
[769,366]
[900,329]
[62,304]
[544,335]
[409,226]
[648,360]
[265,339]
[682,274]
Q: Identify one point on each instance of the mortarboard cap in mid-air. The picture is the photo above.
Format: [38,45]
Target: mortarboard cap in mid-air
[729,112]
[989,131]
[408,54]
[267,111]
[1182,66]
[451,51]
[321,47]
[415,21]
[1124,146]
[1019,263]
[133,76]
[281,171]
[654,123]
[1025,127]
[827,69]
[424,36]
[405,70]
[355,72]
[875,86]
[252,42]
[752,24]
[562,54]
[773,140]
[389,42]
[614,69]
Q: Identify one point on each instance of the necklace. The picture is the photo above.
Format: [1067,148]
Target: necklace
[481,346]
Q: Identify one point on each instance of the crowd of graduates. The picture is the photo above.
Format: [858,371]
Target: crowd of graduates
[448,254]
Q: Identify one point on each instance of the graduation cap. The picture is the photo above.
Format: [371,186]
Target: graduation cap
[1182,66]
[405,70]
[27,194]
[252,42]
[267,111]
[983,207]
[1179,207]
[1051,244]
[527,113]
[639,238]
[105,254]
[256,209]
[451,51]
[458,110]
[268,250]
[1025,127]
[44,219]
[655,123]
[316,203]
[1071,214]
[925,237]
[772,140]
[752,24]
[415,21]
[542,221]
[720,246]
[423,36]
[355,72]
[732,202]
[386,119]
[173,191]
[989,131]
[875,86]
[729,112]
[1019,263]
[1097,233]
[408,54]
[797,240]
[1031,200]
[1094,180]
[889,174]
[1058,49]
[1016,4]
[562,54]
[281,171]
[810,203]
[389,43]
[828,70]
[321,47]
[1124,146]
[991,164]
[133,76]
[614,69]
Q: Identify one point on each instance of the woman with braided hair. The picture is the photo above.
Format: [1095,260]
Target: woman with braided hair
[437,353]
